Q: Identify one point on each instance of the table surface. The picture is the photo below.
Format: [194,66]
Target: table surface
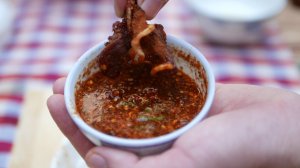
[48,36]
[33,126]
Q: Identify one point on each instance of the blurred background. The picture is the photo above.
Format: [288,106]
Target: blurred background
[245,41]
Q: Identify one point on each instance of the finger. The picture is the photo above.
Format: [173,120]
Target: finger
[113,158]
[57,108]
[151,7]
[58,86]
[167,160]
[108,157]
[120,6]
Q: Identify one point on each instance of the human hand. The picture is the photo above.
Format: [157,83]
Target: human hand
[151,7]
[248,126]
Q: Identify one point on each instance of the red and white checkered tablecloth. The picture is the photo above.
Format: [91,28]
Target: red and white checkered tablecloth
[48,36]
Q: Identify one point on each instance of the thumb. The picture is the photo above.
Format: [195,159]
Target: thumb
[104,157]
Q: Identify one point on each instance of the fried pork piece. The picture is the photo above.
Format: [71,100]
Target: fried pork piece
[114,55]
[135,42]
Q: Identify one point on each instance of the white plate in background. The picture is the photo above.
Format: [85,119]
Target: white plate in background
[238,10]
[67,157]
[235,21]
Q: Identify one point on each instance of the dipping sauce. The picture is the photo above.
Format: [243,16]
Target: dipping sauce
[138,105]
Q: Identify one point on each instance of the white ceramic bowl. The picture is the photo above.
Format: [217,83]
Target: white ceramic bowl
[235,21]
[139,146]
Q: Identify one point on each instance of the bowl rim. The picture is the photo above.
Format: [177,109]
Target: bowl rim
[281,4]
[118,141]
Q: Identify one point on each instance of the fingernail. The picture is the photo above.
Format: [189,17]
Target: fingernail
[118,9]
[151,8]
[140,2]
[94,160]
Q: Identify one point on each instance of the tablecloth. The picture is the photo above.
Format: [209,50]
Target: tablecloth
[48,36]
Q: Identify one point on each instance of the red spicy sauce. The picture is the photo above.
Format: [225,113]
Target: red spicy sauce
[137,105]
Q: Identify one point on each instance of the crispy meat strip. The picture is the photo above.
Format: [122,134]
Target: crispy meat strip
[129,12]
[136,42]
[136,52]
[161,67]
